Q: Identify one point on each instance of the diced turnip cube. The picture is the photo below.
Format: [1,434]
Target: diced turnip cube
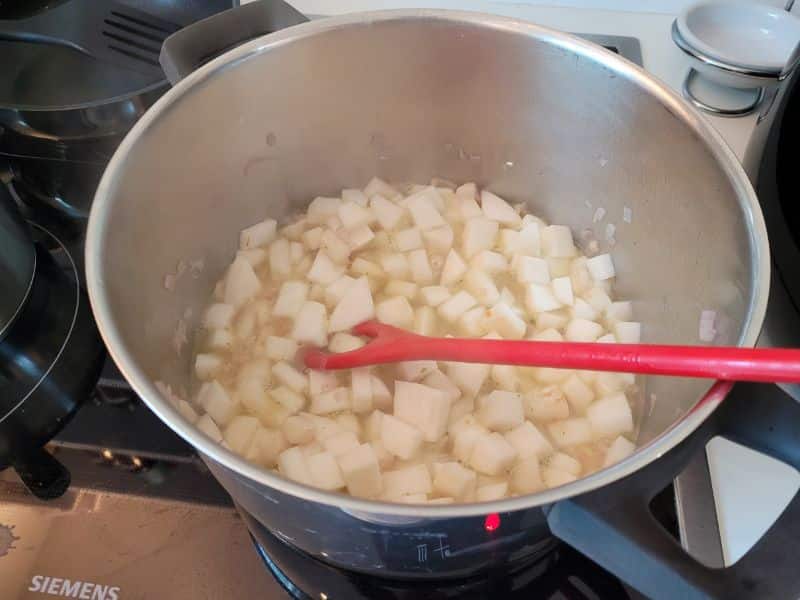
[564,462]
[289,399]
[321,209]
[628,332]
[453,270]
[406,240]
[497,209]
[528,441]
[280,348]
[598,299]
[280,261]
[311,449]
[606,339]
[456,305]
[439,240]
[467,208]
[358,237]
[259,234]
[502,411]
[294,231]
[474,322]
[409,480]
[528,242]
[206,366]
[387,213]
[385,458]
[353,195]
[293,465]
[218,316]
[600,267]
[291,297]
[414,370]
[330,402]
[349,422]
[453,480]
[423,407]
[396,311]
[206,424]
[298,429]
[559,267]
[492,454]
[619,311]
[546,404]
[361,472]
[459,409]
[557,242]
[334,247]
[620,448]
[583,310]
[578,393]
[423,209]
[554,477]
[324,270]
[467,190]
[334,292]
[420,266]
[255,256]
[583,330]
[239,432]
[361,266]
[340,443]
[494,491]
[381,396]
[186,410]
[531,269]
[267,445]
[241,282]
[571,432]
[378,186]
[481,286]
[296,252]
[506,322]
[506,377]
[290,377]
[434,295]
[526,477]
[324,471]
[540,298]
[562,290]
[468,376]
[396,265]
[361,390]
[352,214]
[425,321]
[465,439]
[320,382]
[311,324]
[610,416]
[436,379]
[489,262]
[355,306]
[479,234]
[372,425]
[401,288]
[509,241]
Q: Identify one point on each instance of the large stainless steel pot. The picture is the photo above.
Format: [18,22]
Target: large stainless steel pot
[537,116]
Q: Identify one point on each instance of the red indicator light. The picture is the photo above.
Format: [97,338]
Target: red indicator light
[491,522]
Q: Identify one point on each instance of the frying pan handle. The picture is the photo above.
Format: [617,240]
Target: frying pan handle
[614,526]
[195,45]
[43,475]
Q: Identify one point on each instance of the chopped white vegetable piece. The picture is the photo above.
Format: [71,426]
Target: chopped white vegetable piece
[396,287]
[361,390]
[502,411]
[239,432]
[619,311]
[298,429]
[206,366]
[465,439]
[372,425]
[481,286]
[425,321]
[296,252]
[218,316]
[528,441]
[479,234]
[571,432]
[381,396]
[324,270]
[420,266]
[494,491]
[354,195]
[259,234]
[628,332]
[528,241]
[497,209]
[359,237]
[387,213]
[378,186]
[280,348]
[454,480]
[280,261]
[409,480]
[453,270]
[540,298]
[361,472]
[601,267]
[292,464]
[583,310]
[311,324]
[396,265]
[335,247]
[459,409]
[407,239]
[289,399]
[525,476]
[320,382]
[442,500]
[414,370]
[423,407]
[531,269]
[334,292]
[385,458]
[396,311]
[610,416]
[436,379]
[598,299]
[557,242]
[492,454]
[400,438]
[607,384]
[583,330]
[268,444]
[324,427]
[554,477]
[506,377]
[564,462]
[467,190]
[324,471]
[434,295]
[578,393]
[467,208]
[439,240]
[291,298]
[349,422]
[355,306]
[340,443]
[206,424]
[290,377]
[505,321]
[562,290]
[456,305]
[620,448]
[241,283]
[311,449]
[468,376]
[352,215]
[330,402]
[489,262]
[423,209]
[474,322]
[321,209]
[546,404]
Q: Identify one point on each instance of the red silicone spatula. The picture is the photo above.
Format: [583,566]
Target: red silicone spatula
[390,344]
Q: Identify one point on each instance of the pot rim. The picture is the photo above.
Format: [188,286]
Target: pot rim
[102,207]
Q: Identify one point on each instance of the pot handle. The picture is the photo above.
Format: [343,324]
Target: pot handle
[614,527]
[194,45]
